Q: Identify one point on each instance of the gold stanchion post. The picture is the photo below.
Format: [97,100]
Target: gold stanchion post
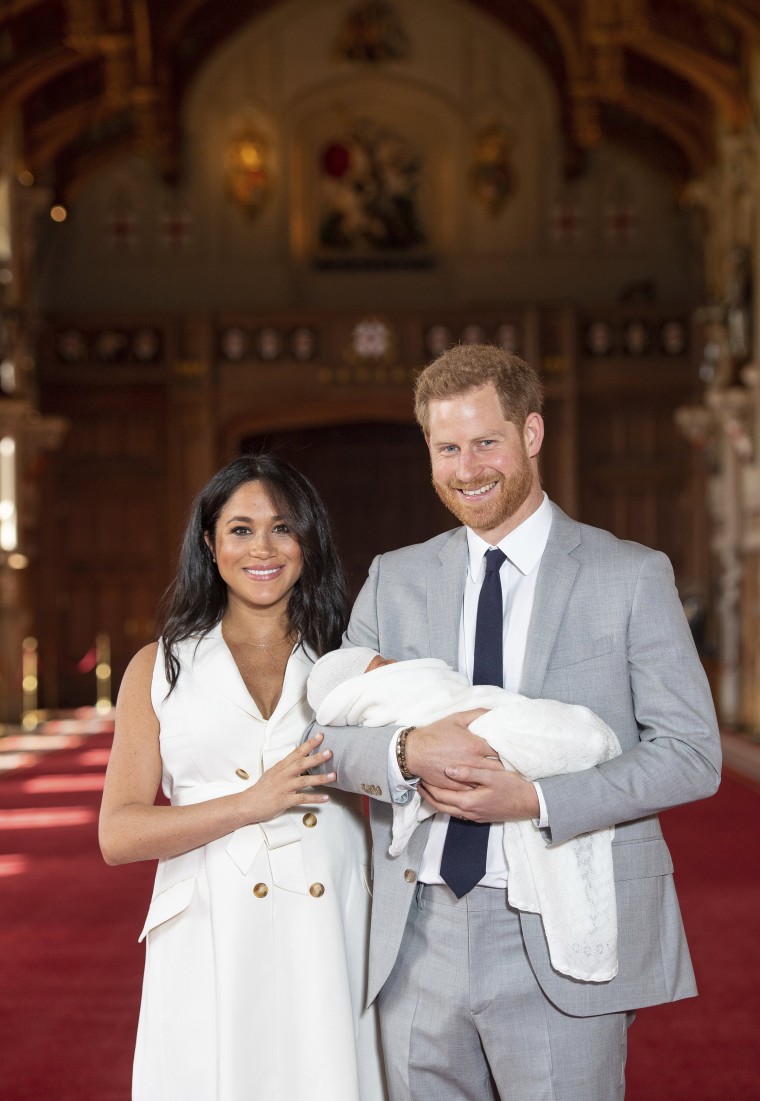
[29,682]
[103,673]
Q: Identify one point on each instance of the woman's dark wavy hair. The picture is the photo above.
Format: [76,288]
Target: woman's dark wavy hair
[197,600]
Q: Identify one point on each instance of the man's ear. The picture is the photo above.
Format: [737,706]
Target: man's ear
[533,433]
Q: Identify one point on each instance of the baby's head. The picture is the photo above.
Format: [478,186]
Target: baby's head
[338,666]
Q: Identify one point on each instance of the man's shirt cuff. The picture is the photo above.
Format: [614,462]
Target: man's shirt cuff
[543,819]
[401,790]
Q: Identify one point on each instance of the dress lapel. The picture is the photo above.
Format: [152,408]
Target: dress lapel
[213,663]
[556,577]
[293,692]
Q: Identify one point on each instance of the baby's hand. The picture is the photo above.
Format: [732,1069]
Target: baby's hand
[378,661]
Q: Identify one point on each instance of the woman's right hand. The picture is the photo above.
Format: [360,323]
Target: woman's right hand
[287,784]
[134,827]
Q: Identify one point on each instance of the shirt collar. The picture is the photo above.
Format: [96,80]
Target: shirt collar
[523,546]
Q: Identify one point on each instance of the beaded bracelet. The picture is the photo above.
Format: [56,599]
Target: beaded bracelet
[401,753]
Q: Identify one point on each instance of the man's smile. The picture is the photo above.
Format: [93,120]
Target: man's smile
[479,492]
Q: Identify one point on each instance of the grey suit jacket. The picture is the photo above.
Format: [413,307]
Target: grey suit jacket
[607,631]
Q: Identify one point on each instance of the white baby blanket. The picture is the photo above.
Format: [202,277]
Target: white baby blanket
[570,885]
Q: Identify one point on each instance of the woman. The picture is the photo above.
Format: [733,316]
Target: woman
[257,930]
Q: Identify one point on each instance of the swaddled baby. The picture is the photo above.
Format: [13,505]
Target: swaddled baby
[570,885]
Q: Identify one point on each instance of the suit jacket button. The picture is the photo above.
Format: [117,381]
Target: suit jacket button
[242,774]
[409,876]
[309,820]
[261,890]
[316,890]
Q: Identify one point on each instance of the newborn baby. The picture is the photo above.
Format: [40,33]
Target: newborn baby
[570,885]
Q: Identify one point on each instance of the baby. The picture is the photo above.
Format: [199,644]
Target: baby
[570,885]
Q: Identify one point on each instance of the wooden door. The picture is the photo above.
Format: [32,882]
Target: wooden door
[375,481]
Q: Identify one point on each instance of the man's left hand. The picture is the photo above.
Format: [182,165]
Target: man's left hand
[490,796]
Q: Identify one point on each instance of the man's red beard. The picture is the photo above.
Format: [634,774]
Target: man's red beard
[506,498]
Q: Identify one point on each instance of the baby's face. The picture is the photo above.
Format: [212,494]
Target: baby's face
[378,661]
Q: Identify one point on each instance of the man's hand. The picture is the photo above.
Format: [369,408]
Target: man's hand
[434,749]
[484,795]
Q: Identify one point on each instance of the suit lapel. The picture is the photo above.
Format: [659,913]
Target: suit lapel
[556,577]
[445,591]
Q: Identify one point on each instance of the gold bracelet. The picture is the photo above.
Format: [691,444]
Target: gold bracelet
[401,753]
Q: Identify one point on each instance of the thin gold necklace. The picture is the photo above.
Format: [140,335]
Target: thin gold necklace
[270,645]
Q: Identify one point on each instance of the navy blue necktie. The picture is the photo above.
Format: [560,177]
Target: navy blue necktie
[463,863]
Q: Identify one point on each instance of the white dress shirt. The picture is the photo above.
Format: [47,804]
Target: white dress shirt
[524,548]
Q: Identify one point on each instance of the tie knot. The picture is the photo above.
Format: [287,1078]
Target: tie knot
[494,559]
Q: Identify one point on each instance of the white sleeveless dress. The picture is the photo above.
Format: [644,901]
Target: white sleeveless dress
[257,942]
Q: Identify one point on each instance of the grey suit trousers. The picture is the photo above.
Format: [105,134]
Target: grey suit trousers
[464,1019]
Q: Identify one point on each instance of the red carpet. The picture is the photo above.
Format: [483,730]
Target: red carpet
[70,967]
[708,1048]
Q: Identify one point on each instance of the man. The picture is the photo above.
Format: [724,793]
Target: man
[523,597]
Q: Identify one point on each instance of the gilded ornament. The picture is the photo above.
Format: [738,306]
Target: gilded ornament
[491,177]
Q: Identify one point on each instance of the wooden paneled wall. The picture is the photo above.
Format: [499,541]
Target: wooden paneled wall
[156,404]
[104,535]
